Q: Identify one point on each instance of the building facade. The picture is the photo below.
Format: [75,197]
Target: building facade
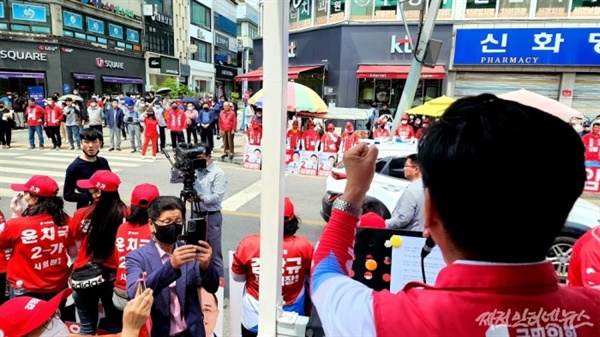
[59,46]
[225,47]
[547,46]
[202,69]
[247,30]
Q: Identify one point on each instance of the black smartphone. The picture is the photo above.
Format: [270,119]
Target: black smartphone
[142,281]
[195,231]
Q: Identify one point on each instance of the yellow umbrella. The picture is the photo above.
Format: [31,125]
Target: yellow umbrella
[433,108]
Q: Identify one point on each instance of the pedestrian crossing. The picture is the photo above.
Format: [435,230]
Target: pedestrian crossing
[18,165]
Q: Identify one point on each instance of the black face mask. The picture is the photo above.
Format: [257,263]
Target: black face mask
[167,234]
[174,107]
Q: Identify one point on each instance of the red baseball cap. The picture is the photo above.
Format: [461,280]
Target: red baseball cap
[103,180]
[288,210]
[371,220]
[22,315]
[143,195]
[43,186]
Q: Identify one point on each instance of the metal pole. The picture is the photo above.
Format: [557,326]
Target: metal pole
[245,65]
[410,87]
[271,218]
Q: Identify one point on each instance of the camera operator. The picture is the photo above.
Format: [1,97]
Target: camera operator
[210,187]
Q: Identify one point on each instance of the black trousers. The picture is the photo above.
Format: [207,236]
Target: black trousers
[176,138]
[248,333]
[5,133]
[54,132]
[163,137]
[206,136]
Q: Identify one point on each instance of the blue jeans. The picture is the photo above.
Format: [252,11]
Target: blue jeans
[35,129]
[73,130]
[86,302]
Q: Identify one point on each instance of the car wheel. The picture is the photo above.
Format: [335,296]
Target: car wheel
[560,255]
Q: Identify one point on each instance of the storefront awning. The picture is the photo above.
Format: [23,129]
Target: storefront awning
[9,74]
[84,76]
[128,80]
[257,75]
[398,72]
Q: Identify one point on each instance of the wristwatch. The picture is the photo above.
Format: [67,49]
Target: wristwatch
[343,206]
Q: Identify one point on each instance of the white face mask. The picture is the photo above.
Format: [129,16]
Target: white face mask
[59,329]
[404,122]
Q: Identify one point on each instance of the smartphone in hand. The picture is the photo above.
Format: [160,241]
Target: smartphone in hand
[142,282]
[195,231]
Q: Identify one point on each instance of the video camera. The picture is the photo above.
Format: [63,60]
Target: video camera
[187,162]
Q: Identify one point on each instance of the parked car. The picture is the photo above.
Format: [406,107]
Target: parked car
[389,183]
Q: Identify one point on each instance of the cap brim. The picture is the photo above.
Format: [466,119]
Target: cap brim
[85,184]
[49,309]
[18,187]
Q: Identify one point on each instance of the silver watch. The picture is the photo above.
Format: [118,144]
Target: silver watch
[346,207]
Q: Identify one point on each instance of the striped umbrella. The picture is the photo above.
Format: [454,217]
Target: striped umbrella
[299,98]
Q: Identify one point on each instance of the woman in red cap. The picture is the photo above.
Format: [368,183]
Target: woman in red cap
[95,229]
[39,240]
[297,256]
[131,235]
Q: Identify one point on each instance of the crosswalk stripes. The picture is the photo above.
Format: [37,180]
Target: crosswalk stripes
[17,166]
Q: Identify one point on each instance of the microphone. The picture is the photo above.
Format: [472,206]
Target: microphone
[429,244]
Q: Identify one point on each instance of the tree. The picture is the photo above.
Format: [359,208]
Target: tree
[177,89]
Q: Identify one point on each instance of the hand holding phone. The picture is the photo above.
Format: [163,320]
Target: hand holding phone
[195,231]
[142,282]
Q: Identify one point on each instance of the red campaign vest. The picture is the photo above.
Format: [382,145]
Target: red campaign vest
[592,147]
[464,303]
[53,113]
[381,134]
[293,139]
[310,138]
[405,132]
[254,136]
[349,139]
[330,145]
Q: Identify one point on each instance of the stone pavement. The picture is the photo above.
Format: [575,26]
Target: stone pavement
[20,140]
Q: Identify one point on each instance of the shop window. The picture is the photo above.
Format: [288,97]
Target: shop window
[25,16]
[478,9]
[386,9]
[3,26]
[336,10]
[361,10]
[68,33]
[366,92]
[115,31]
[102,40]
[19,28]
[121,44]
[157,3]
[513,9]
[80,36]
[252,31]
[445,11]
[38,29]
[585,8]
[72,20]
[95,26]
[321,12]
[552,9]
[200,15]
[159,40]
[239,29]
[204,51]
[128,46]
[91,38]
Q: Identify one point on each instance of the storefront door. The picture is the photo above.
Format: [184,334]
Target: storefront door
[586,95]
[475,83]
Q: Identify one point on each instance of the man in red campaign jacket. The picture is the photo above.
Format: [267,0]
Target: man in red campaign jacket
[176,123]
[497,282]
[349,137]
[405,132]
[35,120]
[254,134]
[330,142]
[584,267]
[294,136]
[592,143]
[52,118]
[310,138]
[131,235]
[381,133]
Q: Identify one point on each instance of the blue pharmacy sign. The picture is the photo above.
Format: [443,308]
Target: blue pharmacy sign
[95,26]
[115,31]
[528,46]
[133,35]
[72,20]
[1,10]
[28,12]
[66,88]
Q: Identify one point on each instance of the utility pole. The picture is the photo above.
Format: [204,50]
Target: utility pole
[414,75]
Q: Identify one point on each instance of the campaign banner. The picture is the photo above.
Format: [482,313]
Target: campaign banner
[327,161]
[252,157]
[310,163]
[37,92]
[293,164]
[592,184]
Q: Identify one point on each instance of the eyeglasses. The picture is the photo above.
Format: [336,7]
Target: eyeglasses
[168,222]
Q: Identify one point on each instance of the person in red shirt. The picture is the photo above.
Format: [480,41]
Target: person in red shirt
[381,133]
[330,142]
[584,267]
[422,129]
[297,255]
[227,125]
[404,132]
[497,282]
[131,235]
[176,123]
[39,241]
[150,132]
[592,144]
[4,286]
[349,137]
[310,138]
[254,134]
[294,136]
[52,119]
[95,229]
[35,120]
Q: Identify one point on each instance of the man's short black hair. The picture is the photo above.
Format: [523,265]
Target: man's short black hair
[501,195]
[165,203]
[90,134]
